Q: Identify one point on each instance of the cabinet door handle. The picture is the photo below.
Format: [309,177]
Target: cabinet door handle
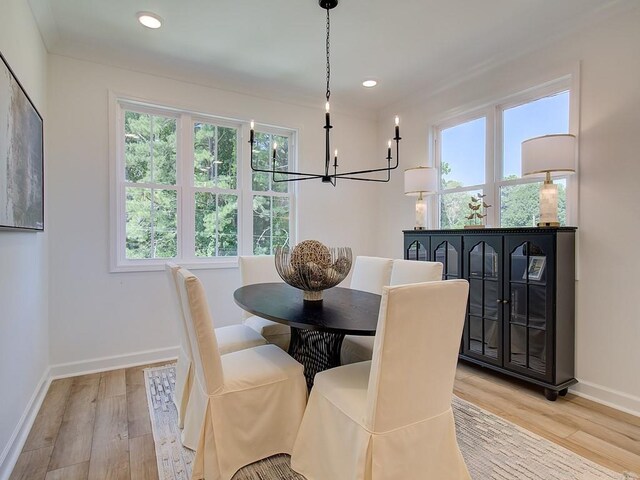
[505,301]
[499,301]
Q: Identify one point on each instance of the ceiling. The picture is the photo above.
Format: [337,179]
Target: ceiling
[276,47]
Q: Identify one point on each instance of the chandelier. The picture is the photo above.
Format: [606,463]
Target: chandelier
[330,174]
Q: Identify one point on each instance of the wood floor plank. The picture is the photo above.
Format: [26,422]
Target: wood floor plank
[110,448]
[73,444]
[111,420]
[612,452]
[47,423]
[110,461]
[142,454]
[112,383]
[137,409]
[79,471]
[32,465]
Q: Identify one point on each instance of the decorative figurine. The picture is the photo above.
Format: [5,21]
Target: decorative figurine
[478,212]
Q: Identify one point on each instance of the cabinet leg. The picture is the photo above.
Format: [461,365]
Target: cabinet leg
[551,395]
[563,392]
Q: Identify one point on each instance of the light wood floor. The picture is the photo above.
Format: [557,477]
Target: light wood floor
[97,426]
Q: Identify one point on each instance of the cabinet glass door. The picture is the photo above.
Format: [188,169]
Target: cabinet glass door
[527,331]
[483,270]
[416,248]
[448,251]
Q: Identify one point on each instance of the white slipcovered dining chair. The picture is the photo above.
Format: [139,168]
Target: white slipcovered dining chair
[358,348]
[370,274]
[391,418]
[262,269]
[412,271]
[247,404]
[230,339]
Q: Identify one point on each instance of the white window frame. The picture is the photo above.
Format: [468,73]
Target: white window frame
[247,186]
[184,186]
[493,112]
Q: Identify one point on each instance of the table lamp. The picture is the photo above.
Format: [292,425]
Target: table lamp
[546,154]
[417,182]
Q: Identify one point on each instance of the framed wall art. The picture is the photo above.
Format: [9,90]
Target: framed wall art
[536,268]
[21,156]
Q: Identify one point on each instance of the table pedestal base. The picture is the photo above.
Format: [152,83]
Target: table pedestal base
[315,350]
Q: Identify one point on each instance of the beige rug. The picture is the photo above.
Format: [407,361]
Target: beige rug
[493,448]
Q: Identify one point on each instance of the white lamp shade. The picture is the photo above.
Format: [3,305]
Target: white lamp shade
[549,153]
[420,180]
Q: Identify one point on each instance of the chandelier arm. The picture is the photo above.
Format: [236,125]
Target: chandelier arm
[297,179]
[286,172]
[381,180]
[362,172]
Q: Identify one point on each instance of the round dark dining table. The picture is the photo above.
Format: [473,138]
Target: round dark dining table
[317,328]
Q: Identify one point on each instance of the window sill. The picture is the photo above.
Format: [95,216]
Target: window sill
[159,264]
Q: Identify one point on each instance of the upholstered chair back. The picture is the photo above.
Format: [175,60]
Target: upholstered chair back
[370,274]
[176,308]
[257,269]
[415,353]
[412,271]
[204,345]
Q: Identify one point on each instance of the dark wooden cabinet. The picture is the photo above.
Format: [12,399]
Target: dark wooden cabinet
[520,314]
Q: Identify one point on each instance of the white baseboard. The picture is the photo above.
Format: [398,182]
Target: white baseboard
[607,396]
[102,364]
[11,452]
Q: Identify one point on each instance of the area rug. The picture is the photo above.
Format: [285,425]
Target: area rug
[493,448]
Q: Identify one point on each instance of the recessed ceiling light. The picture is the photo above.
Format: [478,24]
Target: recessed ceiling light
[149,20]
[369,83]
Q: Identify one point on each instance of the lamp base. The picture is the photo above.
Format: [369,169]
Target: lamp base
[549,224]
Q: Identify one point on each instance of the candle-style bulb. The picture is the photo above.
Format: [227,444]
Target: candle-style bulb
[275,145]
[389,144]
[397,120]
[335,153]
[326,106]
[252,124]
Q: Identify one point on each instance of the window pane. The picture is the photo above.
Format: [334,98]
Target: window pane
[280,225]
[216,220]
[462,154]
[215,154]
[151,225]
[541,117]
[227,225]
[206,221]
[520,204]
[150,148]
[454,209]
[263,158]
[270,223]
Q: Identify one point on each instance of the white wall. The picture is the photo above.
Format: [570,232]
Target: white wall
[24,333]
[95,313]
[608,320]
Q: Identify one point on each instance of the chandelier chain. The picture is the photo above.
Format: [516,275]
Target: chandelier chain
[328,61]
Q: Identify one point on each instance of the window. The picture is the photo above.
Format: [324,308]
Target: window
[479,154]
[180,192]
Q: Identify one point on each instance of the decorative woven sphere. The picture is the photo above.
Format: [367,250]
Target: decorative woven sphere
[310,251]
